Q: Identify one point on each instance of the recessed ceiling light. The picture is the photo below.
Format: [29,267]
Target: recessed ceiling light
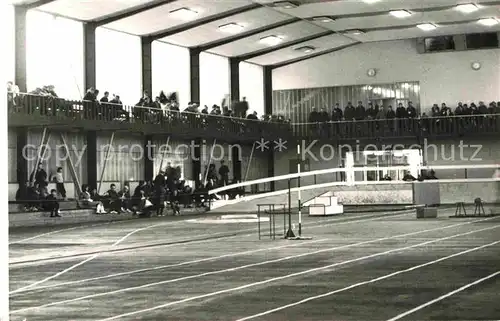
[184,13]
[354,32]
[285,4]
[231,28]
[323,19]
[271,40]
[400,13]
[467,7]
[488,22]
[426,26]
[370,1]
[306,49]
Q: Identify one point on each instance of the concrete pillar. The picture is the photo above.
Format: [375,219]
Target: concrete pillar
[268,110]
[234,79]
[149,155]
[146,58]
[236,158]
[194,73]
[92,159]
[196,159]
[89,55]
[22,163]
[20,47]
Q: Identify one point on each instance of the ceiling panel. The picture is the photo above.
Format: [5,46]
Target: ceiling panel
[472,27]
[289,33]
[347,7]
[158,19]
[91,9]
[442,16]
[321,44]
[209,32]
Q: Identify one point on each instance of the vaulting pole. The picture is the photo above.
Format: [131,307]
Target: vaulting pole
[298,185]
[39,155]
[76,181]
[106,161]
[164,153]
[209,161]
[249,162]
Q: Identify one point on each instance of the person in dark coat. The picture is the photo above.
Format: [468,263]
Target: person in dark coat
[39,176]
[52,204]
[160,193]
[224,174]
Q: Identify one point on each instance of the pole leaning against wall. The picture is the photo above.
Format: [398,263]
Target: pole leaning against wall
[40,153]
[106,161]
[163,154]
[249,162]
[76,181]
[209,161]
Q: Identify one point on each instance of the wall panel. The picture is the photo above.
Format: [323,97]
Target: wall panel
[12,155]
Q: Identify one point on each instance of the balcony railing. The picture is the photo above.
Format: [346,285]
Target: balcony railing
[232,128]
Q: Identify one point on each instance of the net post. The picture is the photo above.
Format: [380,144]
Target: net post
[289,233]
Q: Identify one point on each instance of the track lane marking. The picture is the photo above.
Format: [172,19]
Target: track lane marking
[387,276]
[284,277]
[74,266]
[274,261]
[442,297]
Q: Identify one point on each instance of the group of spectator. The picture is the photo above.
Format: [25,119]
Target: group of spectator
[358,113]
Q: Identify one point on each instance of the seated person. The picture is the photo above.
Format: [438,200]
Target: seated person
[86,201]
[144,206]
[52,204]
[408,177]
[125,199]
[111,200]
[431,175]
[34,198]
[235,192]
[21,196]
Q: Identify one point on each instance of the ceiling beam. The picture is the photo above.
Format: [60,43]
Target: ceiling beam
[314,55]
[225,41]
[35,4]
[130,12]
[202,21]
[265,51]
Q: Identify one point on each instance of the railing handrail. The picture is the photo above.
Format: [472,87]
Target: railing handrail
[129,108]
[418,117]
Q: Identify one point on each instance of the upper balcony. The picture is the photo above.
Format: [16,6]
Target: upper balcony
[35,111]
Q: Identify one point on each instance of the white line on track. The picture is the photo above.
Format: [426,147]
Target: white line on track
[92,296]
[33,286]
[57,231]
[74,266]
[387,276]
[465,287]
[250,285]
[316,224]
[212,258]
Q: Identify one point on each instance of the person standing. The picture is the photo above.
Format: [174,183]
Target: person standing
[58,178]
[224,174]
[52,204]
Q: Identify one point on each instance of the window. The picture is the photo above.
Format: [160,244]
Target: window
[439,43]
[482,40]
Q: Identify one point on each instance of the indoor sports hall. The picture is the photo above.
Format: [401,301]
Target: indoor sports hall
[307,160]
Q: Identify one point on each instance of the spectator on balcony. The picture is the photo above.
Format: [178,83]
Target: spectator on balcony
[411,111]
[224,174]
[59,180]
[205,110]
[435,112]
[12,95]
[459,111]
[445,110]
[337,113]
[105,98]
[360,112]
[401,112]
[483,110]
[408,177]
[390,113]
[314,116]
[253,116]
[39,176]
[473,110]
[381,113]
[349,112]
[240,108]
[214,110]
[371,112]
[492,108]
[226,112]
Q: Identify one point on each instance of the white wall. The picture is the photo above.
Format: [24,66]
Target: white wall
[54,54]
[118,65]
[7,15]
[171,71]
[214,79]
[444,77]
[252,86]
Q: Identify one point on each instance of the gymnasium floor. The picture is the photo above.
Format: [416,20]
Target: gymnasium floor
[384,266]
